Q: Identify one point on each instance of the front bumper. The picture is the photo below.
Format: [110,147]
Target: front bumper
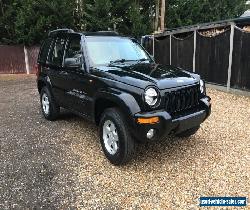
[172,124]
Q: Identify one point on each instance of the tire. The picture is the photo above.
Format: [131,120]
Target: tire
[188,132]
[119,133]
[49,107]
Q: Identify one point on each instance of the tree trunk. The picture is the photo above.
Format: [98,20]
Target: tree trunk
[2,9]
[157,11]
[163,8]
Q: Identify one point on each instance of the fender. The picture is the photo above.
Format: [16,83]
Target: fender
[124,100]
[46,81]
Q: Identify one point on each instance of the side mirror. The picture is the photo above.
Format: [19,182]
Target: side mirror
[73,62]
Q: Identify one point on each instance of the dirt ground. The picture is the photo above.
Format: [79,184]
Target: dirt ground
[60,165]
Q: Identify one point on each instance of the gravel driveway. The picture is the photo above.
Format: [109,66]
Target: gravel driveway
[60,165]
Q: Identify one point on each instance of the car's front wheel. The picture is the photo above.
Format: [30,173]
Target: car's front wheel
[49,107]
[117,143]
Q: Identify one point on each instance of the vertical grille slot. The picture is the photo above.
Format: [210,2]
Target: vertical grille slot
[182,99]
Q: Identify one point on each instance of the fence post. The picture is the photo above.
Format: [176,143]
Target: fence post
[194,56]
[153,45]
[170,49]
[230,57]
[26,60]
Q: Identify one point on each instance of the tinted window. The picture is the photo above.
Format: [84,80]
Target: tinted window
[56,54]
[74,48]
[44,50]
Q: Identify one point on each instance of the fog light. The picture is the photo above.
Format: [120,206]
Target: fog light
[150,133]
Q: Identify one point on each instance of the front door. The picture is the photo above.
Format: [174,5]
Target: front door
[77,93]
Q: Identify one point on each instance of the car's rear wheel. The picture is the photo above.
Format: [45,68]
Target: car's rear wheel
[188,132]
[117,143]
[50,109]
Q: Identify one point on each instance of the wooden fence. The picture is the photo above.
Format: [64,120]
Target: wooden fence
[219,52]
[18,59]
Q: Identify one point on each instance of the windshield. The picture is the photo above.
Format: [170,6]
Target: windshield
[109,50]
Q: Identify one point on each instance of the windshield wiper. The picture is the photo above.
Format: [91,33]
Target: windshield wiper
[120,61]
[142,59]
[125,60]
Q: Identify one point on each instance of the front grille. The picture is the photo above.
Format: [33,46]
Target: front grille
[182,99]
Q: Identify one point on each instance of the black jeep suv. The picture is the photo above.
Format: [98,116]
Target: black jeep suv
[112,81]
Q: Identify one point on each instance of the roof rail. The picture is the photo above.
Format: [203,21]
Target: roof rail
[109,32]
[101,33]
[57,31]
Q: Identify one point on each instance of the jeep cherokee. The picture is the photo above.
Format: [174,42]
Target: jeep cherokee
[112,81]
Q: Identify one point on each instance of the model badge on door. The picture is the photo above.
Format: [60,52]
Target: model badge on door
[77,93]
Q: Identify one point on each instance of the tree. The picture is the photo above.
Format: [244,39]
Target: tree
[36,18]
[7,20]
[163,11]
[98,15]
[147,10]
[29,21]
[138,26]
[128,17]
[188,12]
[120,10]
[157,14]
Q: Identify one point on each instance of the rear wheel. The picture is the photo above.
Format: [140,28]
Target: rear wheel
[117,143]
[50,109]
[188,132]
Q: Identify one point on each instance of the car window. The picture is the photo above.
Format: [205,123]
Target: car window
[45,50]
[57,52]
[74,48]
[103,50]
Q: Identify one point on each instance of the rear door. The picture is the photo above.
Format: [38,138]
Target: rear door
[55,69]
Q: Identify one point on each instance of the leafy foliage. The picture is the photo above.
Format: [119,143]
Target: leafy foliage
[7,18]
[36,18]
[124,15]
[98,15]
[188,12]
[28,21]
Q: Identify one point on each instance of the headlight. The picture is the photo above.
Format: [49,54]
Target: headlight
[202,86]
[151,96]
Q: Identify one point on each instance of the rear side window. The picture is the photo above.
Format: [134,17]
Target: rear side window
[57,52]
[45,50]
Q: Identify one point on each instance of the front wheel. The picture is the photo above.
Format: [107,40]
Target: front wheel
[117,143]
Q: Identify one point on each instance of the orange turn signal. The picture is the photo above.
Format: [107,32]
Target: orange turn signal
[152,120]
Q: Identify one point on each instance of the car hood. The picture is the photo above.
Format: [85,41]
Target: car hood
[146,74]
